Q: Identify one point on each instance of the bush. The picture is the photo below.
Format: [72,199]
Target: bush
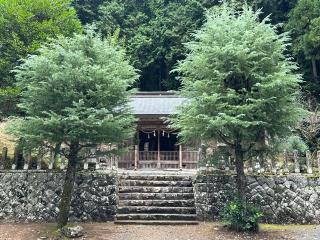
[295,143]
[242,217]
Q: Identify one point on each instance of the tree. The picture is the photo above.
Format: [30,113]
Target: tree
[277,9]
[87,10]
[24,26]
[309,128]
[303,23]
[154,32]
[74,94]
[239,84]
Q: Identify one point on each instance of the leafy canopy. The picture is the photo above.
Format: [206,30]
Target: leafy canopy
[304,22]
[75,90]
[239,82]
[277,9]
[87,10]
[154,32]
[26,24]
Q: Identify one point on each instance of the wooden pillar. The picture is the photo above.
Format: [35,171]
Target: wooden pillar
[180,156]
[136,156]
[3,157]
[309,162]
[296,162]
[159,162]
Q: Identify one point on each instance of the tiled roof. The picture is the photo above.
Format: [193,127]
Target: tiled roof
[162,104]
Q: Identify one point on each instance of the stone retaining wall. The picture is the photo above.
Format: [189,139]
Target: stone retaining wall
[34,196]
[287,199]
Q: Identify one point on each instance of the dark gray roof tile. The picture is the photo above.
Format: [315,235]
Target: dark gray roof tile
[155,104]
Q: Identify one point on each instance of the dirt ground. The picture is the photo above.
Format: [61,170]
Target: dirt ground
[203,231]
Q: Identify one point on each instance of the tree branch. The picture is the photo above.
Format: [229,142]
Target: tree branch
[224,138]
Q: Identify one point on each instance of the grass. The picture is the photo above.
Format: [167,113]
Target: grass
[51,232]
[287,227]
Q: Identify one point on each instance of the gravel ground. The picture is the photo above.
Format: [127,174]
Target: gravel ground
[203,231]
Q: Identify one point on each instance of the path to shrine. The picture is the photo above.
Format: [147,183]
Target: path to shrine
[203,231]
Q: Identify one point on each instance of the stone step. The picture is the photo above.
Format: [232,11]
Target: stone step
[155,183]
[153,209]
[155,222]
[149,189]
[156,196]
[156,216]
[160,203]
[156,177]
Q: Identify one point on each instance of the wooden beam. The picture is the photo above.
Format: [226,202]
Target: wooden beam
[159,163]
[136,156]
[180,156]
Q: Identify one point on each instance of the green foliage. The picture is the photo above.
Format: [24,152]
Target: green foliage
[312,39]
[75,90]
[309,128]
[295,143]
[87,10]
[26,24]
[154,32]
[303,23]
[277,9]
[215,157]
[241,216]
[232,76]
[9,97]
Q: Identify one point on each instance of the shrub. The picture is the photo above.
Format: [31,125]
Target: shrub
[295,143]
[241,216]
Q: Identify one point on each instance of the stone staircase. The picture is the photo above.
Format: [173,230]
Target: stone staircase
[156,199]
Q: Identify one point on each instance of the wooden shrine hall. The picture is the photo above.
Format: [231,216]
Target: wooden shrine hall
[155,145]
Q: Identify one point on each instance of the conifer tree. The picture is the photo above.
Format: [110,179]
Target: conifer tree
[240,84]
[74,94]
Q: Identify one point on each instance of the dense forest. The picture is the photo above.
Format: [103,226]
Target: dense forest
[152,32]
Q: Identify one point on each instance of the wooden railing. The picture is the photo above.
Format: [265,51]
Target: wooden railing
[131,159]
[286,163]
[162,159]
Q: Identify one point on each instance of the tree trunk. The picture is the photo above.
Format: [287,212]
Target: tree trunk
[241,178]
[64,206]
[314,70]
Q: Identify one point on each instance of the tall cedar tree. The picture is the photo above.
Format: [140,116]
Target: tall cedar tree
[239,84]
[75,93]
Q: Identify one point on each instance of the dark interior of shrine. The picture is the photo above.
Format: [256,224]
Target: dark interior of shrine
[168,141]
